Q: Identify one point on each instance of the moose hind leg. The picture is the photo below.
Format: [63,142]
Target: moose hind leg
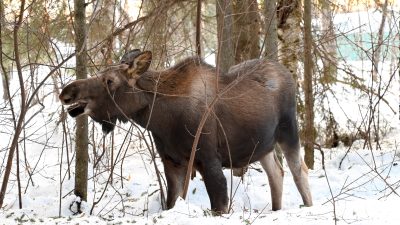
[175,175]
[274,171]
[299,170]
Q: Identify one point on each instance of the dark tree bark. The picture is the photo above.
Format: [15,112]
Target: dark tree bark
[157,30]
[246,30]
[81,145]
[198,28]
[309,133]
[226,52]
[5,81]
[4,74]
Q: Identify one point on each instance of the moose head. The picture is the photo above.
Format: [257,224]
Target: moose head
[104,96]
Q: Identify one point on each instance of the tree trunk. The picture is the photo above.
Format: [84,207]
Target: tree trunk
[5,83]
[289,31]
[226,53]
[289,37]
[107,49]
[246,30]
[377,52]
[328,43]
[4,74]
[309,135]
[81,146]
[271,35]
[157,33]
[198,28]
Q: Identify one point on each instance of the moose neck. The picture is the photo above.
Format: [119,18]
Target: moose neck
[163,92]
[156,103]
[143,115]
[144,100]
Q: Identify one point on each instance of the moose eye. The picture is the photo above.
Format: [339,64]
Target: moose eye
[109,82]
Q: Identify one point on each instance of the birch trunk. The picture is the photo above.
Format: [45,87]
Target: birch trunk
[289,34]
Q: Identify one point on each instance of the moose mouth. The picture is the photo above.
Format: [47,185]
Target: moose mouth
[77,109]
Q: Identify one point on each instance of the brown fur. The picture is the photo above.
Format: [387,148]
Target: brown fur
[255,110]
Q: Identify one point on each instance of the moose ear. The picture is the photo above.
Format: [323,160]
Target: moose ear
[140,64]
[128,57]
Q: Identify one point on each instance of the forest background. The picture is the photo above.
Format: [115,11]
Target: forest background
[344,56]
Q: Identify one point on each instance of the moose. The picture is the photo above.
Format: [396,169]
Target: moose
[255,110]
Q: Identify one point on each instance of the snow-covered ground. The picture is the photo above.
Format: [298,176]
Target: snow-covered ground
[365,190]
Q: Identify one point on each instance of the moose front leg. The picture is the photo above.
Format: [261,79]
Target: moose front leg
[175,175]
[215,181]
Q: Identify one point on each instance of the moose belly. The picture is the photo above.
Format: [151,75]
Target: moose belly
[245,148]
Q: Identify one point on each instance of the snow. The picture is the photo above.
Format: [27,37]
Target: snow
[362,195]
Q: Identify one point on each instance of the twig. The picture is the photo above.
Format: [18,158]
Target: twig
[333,201]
